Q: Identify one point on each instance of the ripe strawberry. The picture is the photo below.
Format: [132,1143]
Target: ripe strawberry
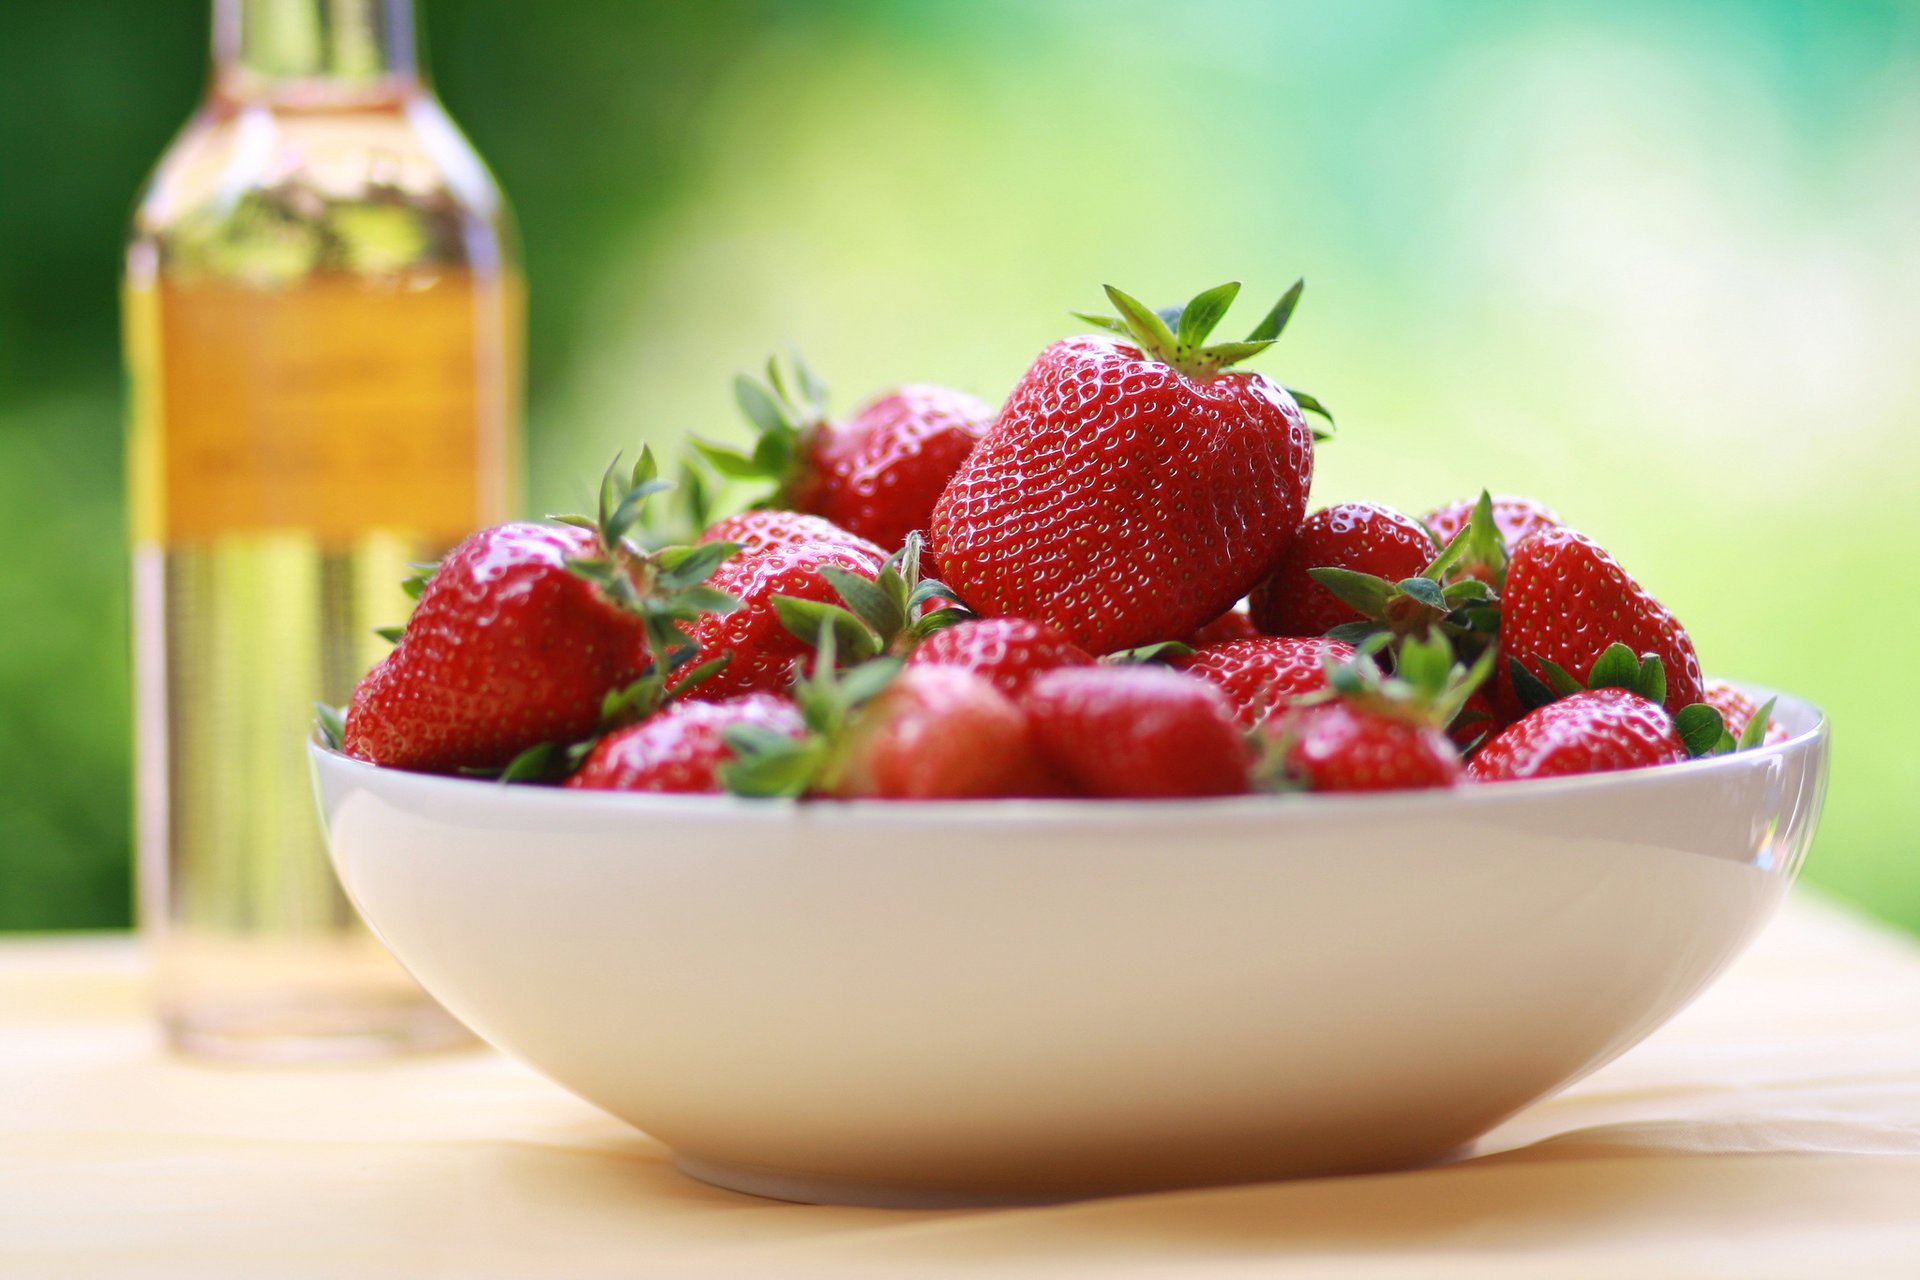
[1566,601]
[1374,732]
[1363,537]
[1266,674]
[878,473]
[939,733]
[508,648]
[1597,731]
[762,650]
[769,527]
[1131,490]
[1234,624]
[879,731]
[1340,747]
[1138,732]
[681,748]
[1737,711]
[1514,517]
[1008,651]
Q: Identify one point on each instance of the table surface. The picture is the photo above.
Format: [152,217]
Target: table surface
[1772,1129]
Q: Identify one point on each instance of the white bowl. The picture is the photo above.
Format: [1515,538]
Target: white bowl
[1023,1001]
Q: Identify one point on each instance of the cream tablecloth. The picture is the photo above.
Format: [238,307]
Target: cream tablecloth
[1773,1130]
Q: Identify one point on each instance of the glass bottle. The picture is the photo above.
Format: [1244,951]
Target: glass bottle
[323,339]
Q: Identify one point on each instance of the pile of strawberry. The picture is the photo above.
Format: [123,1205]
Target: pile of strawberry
[1110,586]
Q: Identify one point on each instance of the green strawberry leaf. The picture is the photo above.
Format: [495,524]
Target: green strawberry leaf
[688,566]
[768,765]
[1700,727]
[1105,323]
[1156,652]
[1652,681]
[806,618]
[1756,731]
[332,723]
[1617,668]
[1144,323]
[390,634]
[1363,591]
[1528,687]
[1311,404]
[1270,328]
[535,764]
[1425,590]
[1200,316]
[1559,680]
[869,602]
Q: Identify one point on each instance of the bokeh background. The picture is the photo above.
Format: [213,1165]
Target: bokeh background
[1657,263]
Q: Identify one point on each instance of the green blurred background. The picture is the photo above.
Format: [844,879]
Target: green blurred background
[1656,263]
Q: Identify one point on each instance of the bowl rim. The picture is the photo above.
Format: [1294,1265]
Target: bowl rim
[1066,809]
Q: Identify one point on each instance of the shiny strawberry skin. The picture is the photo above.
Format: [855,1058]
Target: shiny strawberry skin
[1143,732]
[1265,674]
[1566,600]
[1515,517]
[758,529]
[941,733]
[764,650]
[1234,624]
[879,473]
[1737,710]
[506,649]
[1121,500]
[1339,747]
[1362,536]
[1599,731]
[1008,651]
[680,747]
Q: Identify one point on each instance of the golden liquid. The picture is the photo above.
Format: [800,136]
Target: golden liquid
[300,432]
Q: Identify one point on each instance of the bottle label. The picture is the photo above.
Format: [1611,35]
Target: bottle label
[333,407]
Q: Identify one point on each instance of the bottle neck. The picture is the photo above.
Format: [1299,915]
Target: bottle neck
[313,52]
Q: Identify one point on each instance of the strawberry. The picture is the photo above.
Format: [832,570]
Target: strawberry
[1361,537]
[1234,624]
[1738,710]
[682,747]
[1137,732]
[1514,517]
[1008,651]
[1266,674]
[878,731]
[1595,731]
[878,473]
[507,648]
[1132,488]
[526,635]
[759,649]
[1566,601]
[1338,747]
[770,527]
[1374,732]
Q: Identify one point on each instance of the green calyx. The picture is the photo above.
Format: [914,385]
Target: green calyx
[786,411]
[1701,727]
[830,700]
[1461,607]
[890,614]
[1429,686]
[1178,336]
[665,587]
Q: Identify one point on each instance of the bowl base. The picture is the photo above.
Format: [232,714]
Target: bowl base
[807,1188]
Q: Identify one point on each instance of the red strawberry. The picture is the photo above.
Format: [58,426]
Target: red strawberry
[1361,536]
[878,473]
[1130,491]
[1008,651]
[938,733]
[1566,600]
[763,650]
[681,747]
[1264,675]
[1593,732]
[1376,732]
[508,648]
[1234,624]
[1138,731]
[1514,517]
[1341,747]
[1737,710]
[753,530]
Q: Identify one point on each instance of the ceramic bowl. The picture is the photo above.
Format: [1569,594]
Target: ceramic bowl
[1027,1001]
